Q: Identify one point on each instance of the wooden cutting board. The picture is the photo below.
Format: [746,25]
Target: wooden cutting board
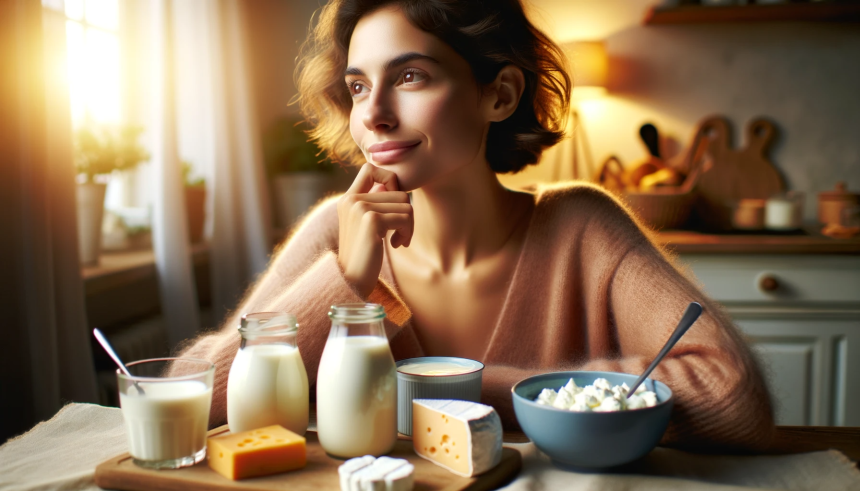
[730,174]
[320,474]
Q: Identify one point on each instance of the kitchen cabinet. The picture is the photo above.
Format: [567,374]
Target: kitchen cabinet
[801,315]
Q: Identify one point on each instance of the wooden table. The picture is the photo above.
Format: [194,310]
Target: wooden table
[790,439]
[798,439]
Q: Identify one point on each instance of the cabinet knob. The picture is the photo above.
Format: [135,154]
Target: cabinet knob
[768,283]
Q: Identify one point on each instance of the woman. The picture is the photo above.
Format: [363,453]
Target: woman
[435,97]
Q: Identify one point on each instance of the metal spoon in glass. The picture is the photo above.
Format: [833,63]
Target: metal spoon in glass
[694,310]
[104,342]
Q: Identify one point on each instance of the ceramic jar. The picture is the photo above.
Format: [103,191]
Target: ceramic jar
[831,204]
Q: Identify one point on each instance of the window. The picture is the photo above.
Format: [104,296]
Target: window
[93,47]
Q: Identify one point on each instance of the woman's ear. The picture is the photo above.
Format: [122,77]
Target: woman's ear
[502,96]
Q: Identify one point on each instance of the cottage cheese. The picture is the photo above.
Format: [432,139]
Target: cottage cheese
[598,397]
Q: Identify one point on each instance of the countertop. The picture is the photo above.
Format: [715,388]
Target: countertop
[125,266]
[807,241]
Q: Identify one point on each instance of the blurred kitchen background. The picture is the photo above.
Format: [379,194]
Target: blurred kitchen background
[151,163]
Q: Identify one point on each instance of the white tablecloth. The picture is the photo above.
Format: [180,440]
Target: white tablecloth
[61,454]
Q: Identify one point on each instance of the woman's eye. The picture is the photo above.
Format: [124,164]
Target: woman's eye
[356,88]
[411,77]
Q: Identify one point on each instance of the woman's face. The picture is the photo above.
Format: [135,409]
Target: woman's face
[415,103]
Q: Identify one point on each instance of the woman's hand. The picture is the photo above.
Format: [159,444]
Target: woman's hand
[371,208]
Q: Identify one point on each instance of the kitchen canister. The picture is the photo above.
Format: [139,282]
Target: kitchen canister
[784,212]
[749,214]
[435,377]
[831,204]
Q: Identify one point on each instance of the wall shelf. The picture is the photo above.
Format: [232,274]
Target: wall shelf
[697,14]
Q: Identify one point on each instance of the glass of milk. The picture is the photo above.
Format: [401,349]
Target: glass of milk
[357,384]
[166,417]
[268,384]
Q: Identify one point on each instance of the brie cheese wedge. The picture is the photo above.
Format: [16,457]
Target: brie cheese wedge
[461,436]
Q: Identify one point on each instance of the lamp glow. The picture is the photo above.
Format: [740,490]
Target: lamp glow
[590,67]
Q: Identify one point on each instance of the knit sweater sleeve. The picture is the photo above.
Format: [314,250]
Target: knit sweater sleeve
[632,297]
[305,279]
[721,399]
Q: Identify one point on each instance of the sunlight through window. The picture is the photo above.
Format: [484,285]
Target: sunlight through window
[94,60]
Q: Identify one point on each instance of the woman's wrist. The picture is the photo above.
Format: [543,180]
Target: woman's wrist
[362,286]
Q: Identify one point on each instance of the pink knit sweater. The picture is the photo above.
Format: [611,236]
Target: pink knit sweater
[590,292]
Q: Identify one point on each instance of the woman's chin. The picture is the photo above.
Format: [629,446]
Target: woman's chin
[407,180]
[407,185]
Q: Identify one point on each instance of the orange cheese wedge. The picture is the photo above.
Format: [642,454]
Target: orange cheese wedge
[270,450]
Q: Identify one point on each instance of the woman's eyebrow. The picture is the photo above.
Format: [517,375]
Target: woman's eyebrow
[394,62]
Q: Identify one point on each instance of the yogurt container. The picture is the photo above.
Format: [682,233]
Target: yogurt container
[435,377]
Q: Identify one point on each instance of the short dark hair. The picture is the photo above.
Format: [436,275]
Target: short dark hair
[488,34]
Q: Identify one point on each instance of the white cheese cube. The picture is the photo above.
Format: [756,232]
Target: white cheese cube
[371,474]
[400,479]
[350,467]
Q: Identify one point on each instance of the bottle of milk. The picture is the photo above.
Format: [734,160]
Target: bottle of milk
[357,384]
[268,383]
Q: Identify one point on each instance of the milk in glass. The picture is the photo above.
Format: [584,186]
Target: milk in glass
[268,383]
[357,384]
[165,404]
[169,421]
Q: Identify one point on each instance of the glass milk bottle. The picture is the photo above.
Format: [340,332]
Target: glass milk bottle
[357,384]
[268,383]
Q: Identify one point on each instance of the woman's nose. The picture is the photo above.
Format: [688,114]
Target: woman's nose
[380,115]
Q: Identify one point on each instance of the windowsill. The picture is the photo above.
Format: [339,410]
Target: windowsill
[123,287]
[122,267]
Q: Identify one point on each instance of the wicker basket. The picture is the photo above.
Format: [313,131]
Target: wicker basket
[661,208]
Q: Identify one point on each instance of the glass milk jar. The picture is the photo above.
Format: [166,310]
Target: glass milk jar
[268,383]
[357,384]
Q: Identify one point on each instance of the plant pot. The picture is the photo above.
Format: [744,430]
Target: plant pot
[91,202]
[295,193]
[195,209]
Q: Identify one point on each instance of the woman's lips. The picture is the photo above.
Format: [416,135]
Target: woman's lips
[390,151]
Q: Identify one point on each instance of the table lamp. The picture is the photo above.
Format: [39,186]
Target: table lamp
[590,66]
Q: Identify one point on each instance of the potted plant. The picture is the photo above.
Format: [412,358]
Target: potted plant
[299,174]
[195,202]
[99,150]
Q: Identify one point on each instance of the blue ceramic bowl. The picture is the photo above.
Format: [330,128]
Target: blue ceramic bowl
[590,441]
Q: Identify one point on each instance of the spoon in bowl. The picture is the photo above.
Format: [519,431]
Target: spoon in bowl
[694,310]
[106,345]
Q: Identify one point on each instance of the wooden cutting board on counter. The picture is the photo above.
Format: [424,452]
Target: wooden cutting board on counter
[320,474]
[729,175]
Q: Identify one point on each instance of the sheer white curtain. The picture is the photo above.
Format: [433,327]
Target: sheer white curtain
[45,355]
[197,106]
[170,227]
[241,234]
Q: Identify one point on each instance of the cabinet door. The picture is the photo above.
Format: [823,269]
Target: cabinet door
[812,363]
